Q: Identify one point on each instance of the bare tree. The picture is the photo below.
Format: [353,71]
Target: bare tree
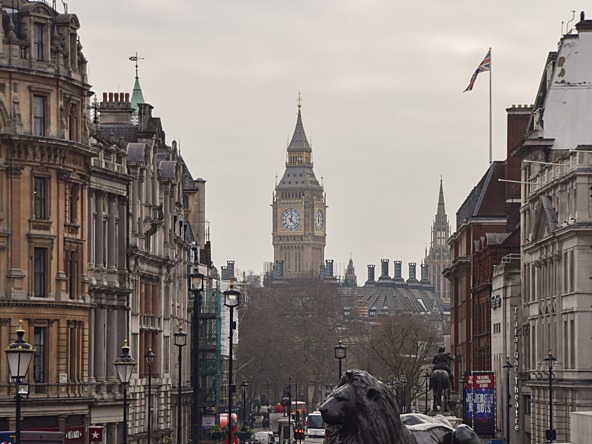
[402,347]
[288,333]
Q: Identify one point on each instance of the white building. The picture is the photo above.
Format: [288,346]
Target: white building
[556,239]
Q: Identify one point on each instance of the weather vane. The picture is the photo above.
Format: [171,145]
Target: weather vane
[135,58]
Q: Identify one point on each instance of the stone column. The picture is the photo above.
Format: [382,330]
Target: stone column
[99,237]
[122,230]
[100,344]
[15,273]
[112,247]
[113,342]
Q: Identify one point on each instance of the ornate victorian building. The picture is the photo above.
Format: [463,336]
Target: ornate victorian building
[299,212]
[556,219]
[45,158]
[100,224]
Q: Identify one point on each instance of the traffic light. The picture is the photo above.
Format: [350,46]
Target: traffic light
[298,433]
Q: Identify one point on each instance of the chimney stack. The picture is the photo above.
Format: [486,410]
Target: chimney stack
[384,270]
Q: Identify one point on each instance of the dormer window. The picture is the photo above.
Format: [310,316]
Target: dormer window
[38,40]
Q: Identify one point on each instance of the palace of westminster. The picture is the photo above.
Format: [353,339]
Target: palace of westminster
[102,225]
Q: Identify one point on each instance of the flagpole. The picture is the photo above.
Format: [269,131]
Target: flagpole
[490,142]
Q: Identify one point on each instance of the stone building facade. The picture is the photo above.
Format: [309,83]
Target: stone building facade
[44,164]
[556,220]
[100,224]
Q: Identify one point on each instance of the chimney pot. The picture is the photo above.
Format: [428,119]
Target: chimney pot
[105,97]
[110,97]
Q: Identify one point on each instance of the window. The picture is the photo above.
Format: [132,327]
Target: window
[73,203]
[39,358]
[40,272]
[39,115]
[40,198]
[38,31]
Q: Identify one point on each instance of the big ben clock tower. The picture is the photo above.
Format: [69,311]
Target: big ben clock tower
[299,211]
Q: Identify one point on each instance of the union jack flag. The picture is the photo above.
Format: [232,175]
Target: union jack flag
[485,65]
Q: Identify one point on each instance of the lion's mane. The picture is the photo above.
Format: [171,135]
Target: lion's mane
[361,410]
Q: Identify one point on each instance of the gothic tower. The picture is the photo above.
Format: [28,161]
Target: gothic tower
[299,211]
[438,257]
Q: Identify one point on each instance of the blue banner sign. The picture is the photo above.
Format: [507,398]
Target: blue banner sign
[480,402]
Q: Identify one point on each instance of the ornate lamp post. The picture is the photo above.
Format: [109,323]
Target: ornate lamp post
[19,355]
[125,367]
[197,289]
[231,300]
[340,352]
[426,376]
[551,433]
[180,341]
[508,366]
[149,360]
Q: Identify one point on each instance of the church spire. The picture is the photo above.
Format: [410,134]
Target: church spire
[299,142]
[441,208]
[137,96]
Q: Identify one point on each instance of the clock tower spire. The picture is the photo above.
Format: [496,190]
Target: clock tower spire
[299,211]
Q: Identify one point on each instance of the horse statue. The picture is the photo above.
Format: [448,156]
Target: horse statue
[440,383]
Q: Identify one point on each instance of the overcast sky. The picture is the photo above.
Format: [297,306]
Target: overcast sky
[383,106]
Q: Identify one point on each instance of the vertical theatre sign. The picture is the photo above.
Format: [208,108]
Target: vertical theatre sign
[516,356]
[480,402]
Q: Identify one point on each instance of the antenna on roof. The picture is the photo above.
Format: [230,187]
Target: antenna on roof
[573,16]
[135,58]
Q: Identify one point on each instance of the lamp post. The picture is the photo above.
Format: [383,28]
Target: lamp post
[508,366]
[149,360]
[340,352]
[125,367]
[551,434]
[404,383]
[180,341]
[427,387]
[231,300]
[197,288]
[19,355]
[244,385]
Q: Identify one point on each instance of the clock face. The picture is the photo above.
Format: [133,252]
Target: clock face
[291,219]
[319,219]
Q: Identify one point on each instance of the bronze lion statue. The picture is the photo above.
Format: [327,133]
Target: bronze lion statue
[362,410]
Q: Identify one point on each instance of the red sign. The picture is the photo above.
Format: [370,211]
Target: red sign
[95,434]
[74,434]
[477,381]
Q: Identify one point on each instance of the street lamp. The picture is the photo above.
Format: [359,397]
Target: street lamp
[149,360]
[19,355]
[231,300]
[180,341]
[340,352]
[551,433]
[427,387]
[125,367]
[404,383]
[244,385]
[197,288]
[508,366]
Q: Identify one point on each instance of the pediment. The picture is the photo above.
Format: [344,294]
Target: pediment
[545,219]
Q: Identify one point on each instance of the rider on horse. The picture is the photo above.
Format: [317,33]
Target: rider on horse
[442,362]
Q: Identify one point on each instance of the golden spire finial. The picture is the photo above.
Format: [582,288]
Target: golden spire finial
[299,101]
